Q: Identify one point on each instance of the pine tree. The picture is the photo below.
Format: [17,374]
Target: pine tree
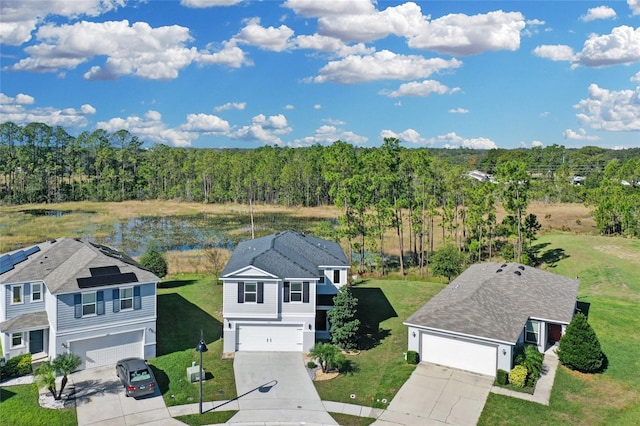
[579,347]
[154,261]
[344,324]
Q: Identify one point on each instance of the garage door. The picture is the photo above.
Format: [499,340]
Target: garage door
[108,349]
[275,338]
[461,354]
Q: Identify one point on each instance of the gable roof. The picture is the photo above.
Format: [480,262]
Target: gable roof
[67,265]
[494,301]
[287,254]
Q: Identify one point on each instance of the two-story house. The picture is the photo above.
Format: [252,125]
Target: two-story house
[69,295]
[277,291]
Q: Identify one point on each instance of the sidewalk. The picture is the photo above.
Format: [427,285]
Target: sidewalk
[542,394]
[23,380]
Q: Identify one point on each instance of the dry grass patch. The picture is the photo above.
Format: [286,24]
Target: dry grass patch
[193,261]
[620,252]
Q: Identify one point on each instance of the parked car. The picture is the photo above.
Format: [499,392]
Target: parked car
[136,376]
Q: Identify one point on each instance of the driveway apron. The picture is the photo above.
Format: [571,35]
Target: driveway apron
[101,401]
[437,395]
[274,387]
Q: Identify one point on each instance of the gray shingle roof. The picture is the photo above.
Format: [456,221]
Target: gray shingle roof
[287,254]
[496,305]
[25,322]
[60,263]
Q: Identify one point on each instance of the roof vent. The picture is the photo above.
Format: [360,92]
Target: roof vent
[521,267]
[517,272]
[499,270]
[504,265]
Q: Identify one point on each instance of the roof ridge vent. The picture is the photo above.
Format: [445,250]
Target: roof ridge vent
[499,270]
[517,272]
[504,265]
[521,267]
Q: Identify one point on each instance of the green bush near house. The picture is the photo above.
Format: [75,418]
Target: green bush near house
[17,366]
[502,377]
[412,357]
[518,376]
[579,348]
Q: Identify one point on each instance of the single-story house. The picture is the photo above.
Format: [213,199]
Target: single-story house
[277,290]
[475,322]
[69,295]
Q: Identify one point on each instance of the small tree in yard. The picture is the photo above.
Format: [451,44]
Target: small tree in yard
[66,364]
[326,354]
[154,261]
[579,347]
[447,261]
[46,377]
[344,324]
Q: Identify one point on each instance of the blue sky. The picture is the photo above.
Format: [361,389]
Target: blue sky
[233,73]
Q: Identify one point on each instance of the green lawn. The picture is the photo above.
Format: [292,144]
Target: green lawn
[609,273]
[187,304]
[20,406]
[380,370]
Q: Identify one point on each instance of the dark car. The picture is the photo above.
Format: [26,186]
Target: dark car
[136,376]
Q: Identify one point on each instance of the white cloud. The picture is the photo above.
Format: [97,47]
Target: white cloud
[20,18]
[271,38]
[622,46]
[609,109]
[330,44]
[422,88]
[600,12]
[17,111]
[150,128]
[383,65]
[536,143]
[231,105]
[263,129]
[326,135]
[311,8]
[458,111]
[333,122]
[289,107]
[459,34]
[558,52]
[208,3]
[409,135]
[635,78]
[452,140]
[317,106]
[634,5]
[205,123]
[579,135]
[230,55]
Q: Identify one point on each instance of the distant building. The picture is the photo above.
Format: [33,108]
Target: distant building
[578,180]
[481,176]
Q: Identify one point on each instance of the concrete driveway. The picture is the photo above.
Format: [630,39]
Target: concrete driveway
[274,387]
[437,395]
[101,401]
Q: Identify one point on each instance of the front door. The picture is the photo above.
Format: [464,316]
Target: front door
[36,341]
[554,333]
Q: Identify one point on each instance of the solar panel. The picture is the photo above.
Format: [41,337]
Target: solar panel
[32,250]
[104,280]
[5,264]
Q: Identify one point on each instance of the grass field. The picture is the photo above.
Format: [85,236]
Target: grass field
[20,406]
[609,273]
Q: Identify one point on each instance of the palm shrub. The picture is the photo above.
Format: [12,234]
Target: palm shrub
[326,354]
[46,377]
[533,363]
[518,375]
[65,364]
[579,347]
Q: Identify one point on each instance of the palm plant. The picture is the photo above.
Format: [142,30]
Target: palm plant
[65,364]
[46,377]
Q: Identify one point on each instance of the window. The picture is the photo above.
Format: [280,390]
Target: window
[17,340]
[250,292]
[16,294]
[321,320]
[36,292]
[88,304]
[296,292]
[126,299]
[532,331]
[336,276]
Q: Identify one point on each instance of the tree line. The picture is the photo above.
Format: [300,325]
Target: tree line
[377,189]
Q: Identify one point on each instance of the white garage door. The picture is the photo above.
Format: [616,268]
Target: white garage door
[275,338]
[461,354]
[109,349]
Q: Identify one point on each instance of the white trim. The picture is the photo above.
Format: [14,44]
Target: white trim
[104,287]
[300,292]
[22,340]
[135,321]
[21,302]
[95,304]
[126,298]
[548,320]
[41,299]
[238,271]
[454,333]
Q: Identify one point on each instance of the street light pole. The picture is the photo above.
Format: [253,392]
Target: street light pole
[202,347]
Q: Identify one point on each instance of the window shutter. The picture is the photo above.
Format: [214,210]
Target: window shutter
[305,292]
[77,301]
[240,292]
[100,302]
[137,299]
[286,292]
[116,300]
[260,292]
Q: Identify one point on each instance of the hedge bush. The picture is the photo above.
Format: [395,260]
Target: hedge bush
[17,366]
[412,357]
[502,377]
[518,376]
[579,347]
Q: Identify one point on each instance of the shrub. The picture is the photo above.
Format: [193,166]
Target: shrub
[533,362]
[154,261]
[326,354]
[518,376]
[412,357]
[17,366]
[579,347]
[344,324]
[502,377]
[311,364]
